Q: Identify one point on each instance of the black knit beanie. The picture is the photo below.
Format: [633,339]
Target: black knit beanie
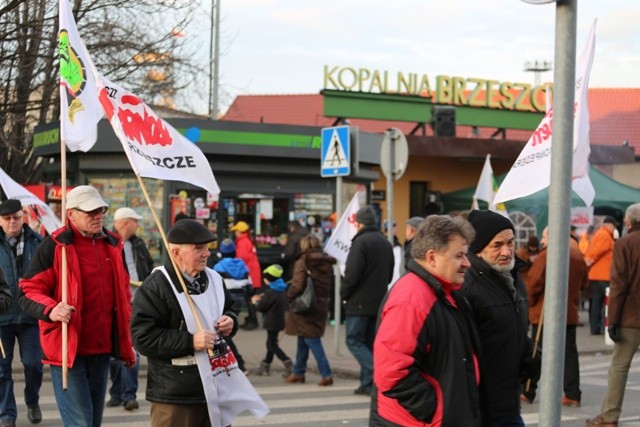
[487,224]
[366,216]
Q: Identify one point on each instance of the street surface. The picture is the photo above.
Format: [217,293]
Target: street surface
[308,405]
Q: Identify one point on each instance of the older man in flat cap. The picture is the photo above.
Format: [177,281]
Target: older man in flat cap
[18,244]
[97,311]
[499,300]
[193,377]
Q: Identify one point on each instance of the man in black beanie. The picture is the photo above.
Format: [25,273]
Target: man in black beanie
[499,300]
[368,271]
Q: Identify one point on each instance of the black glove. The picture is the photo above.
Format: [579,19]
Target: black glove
[614,333]
[530,366]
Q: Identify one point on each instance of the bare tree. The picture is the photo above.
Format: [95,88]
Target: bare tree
[132,43]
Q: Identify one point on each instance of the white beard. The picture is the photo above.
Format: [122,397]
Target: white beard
[504,268]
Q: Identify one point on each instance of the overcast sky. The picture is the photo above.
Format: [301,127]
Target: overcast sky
[282,46]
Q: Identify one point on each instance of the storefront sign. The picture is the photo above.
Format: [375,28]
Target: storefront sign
[448,90]
[378,195]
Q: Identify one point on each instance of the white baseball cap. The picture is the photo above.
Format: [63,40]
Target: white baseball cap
[85,198]
[124,213]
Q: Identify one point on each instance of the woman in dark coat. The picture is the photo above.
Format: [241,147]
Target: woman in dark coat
[309,328]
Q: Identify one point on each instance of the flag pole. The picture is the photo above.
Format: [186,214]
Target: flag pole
[173,261]
[63,253]
[536,342]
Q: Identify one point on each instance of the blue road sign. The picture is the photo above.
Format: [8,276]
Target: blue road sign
[335,156]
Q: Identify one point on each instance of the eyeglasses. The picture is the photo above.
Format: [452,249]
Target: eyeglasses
[99,211]
[8,218]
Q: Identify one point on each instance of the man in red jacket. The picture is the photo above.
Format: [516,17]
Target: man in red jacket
[425,352]
[97,311]
[246,251]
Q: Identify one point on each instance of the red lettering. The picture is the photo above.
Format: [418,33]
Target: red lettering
[106,103]
[146,129]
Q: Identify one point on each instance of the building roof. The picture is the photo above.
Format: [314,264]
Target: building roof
[614,116]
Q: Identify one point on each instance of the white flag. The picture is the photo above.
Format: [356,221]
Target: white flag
[13,190]
[486,189]
[154,148]
[531,171]
[581,183]
[581,147]
[339,243]
[80,110]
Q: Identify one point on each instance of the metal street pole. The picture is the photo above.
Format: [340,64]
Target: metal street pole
[211,55]
[216,63]
[390,180]
[214,59]
[337,301]
[555,309]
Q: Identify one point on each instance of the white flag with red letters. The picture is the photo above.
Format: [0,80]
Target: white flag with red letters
[45,215]
[339,243]
[154,148]
[531,171]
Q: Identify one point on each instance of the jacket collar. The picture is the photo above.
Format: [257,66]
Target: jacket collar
[366,229]
[66,235]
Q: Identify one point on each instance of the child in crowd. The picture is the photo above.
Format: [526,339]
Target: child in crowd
[273,304]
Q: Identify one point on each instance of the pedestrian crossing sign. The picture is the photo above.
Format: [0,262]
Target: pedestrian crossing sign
[335,157]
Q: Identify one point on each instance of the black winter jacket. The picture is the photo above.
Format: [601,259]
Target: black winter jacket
[159,332]
[368,271]
[142,257]
[273,305]
[14,269]
[425,356]
[502,319]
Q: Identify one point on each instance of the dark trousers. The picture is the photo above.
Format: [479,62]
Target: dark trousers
[596,307]
[273,348]
[571,381]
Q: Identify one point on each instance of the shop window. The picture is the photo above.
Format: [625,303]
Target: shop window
[121,192]
[525,226]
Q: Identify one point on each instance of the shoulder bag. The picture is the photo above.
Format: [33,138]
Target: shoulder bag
[306,301]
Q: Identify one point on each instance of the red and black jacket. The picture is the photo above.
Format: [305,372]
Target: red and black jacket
[425,356]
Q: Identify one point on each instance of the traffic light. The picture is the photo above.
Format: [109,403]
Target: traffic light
[443,120]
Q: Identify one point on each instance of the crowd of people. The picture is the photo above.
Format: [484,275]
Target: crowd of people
[470,305]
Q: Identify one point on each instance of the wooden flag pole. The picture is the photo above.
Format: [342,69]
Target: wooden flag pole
[535,342]
[173,261]
[63,258]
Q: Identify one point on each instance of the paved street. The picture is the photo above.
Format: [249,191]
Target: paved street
[312,406]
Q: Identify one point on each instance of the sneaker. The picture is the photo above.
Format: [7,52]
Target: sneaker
[113,402]
[362,391]
[130,405]
[7,423]
[34,415]
[570,402]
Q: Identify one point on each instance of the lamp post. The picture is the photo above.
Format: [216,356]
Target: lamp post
[214,57]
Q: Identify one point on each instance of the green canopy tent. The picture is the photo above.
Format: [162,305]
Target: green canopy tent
[612,198]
